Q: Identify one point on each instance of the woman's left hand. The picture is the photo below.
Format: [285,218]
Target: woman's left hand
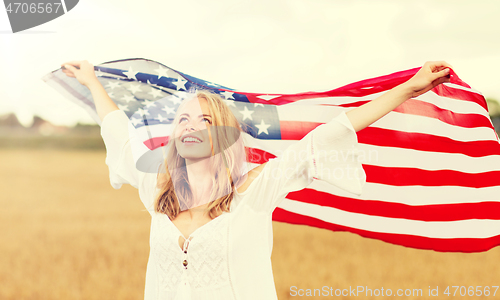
[431,74]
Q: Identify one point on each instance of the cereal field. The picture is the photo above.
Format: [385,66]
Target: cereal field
[65,233]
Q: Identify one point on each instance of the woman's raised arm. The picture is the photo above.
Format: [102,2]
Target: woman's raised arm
[430,75]
[84,72]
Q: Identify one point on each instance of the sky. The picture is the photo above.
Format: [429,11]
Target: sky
[265,46]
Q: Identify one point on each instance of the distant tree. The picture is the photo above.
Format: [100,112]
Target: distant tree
[493,107]
[494,110]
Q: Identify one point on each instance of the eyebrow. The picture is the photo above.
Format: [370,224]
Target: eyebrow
[204,115]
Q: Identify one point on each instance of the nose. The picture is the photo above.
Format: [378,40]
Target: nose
[192,125]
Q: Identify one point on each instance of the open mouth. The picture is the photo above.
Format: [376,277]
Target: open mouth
[190,139]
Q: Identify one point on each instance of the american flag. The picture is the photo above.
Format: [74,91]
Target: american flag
[432,164]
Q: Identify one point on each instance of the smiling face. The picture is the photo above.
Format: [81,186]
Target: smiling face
[192,138]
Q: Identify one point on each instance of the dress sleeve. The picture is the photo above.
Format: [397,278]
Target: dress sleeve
[328,153]
[114,132]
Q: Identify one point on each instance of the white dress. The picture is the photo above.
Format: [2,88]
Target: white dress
[230,257]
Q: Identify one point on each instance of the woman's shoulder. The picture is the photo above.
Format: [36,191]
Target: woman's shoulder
[251,175]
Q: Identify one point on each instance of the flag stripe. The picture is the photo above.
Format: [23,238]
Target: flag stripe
[415,195]
[398,157]
[437,212]
[421,108]
[410,123]
[442,245]
[404,176]
[452,105]
[460,94]
[432,229]
[426,142]
[413,176]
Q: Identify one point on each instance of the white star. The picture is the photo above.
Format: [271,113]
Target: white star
[161,72]
[168,110]
[111,95]
[180,83]
[246,113]
[258,104]
[99,73]
[142,112]
[155,92]
[130,73]
[160,118]
[148,103]
[112,85]
[128,98]
[134,88]
[175,99]
[136,121]
[262,127]
[212,84]
[230,103]
[227,95]
[123,107]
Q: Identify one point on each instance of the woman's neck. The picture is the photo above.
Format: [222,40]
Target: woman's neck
[200,180]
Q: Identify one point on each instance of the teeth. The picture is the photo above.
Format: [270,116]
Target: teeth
[191,139]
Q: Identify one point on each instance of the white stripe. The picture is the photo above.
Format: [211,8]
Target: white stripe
[324,114]
[409,158]
[315,113]
[449,229]
[456,106]
[271,146]
[158,130]
[397,157]
[459,87]
[420,124]
[415,195]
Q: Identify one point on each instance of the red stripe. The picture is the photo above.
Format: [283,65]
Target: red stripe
[258,156]
[426,142]
[296,130]
[421,108]
[436,212]
[399,176]
[352,104]
[156,142]
[413,241]
[291,130]
[458,94]
[412,176]
[383,137]
[360,89]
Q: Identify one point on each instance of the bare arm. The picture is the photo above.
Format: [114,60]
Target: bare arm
[84,72]
[430,75]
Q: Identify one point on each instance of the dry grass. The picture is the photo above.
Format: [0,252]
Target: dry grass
[67,234]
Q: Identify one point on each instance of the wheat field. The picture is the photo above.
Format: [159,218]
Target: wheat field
[65,233]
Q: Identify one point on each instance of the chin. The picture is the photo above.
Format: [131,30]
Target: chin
[193,155]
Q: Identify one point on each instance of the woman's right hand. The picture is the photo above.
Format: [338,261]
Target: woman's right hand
[82,70]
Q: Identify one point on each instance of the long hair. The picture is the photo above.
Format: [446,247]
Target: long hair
[227,163]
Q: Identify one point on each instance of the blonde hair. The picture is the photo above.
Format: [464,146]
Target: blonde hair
[227,165]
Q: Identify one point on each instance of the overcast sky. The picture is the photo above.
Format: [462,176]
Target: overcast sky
[257,46]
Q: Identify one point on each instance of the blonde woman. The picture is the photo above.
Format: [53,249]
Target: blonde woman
[211,230]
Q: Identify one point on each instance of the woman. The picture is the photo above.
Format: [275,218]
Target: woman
[211,229]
